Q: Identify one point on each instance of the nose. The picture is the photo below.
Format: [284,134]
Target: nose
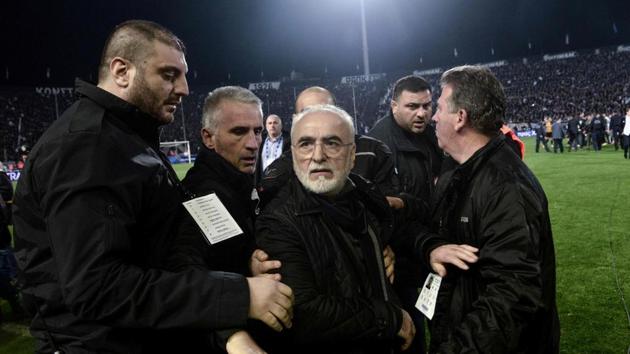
[181,86]
[434,118]
[318,153]
[253,141]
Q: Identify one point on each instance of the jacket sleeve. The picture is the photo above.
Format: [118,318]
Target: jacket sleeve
[509,268]
[320,317]
[382,173]
[6,187]
[92,220]
[188,247]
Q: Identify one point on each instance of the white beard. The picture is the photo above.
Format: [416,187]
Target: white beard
[322,185]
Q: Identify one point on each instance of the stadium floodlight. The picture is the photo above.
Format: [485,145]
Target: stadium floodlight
[366,56]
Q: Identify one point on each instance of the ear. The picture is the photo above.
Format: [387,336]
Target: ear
[353,152]
[462,120]
[208,138]
[394,106]
[122,72]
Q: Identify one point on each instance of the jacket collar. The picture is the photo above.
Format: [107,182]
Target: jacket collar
[468,169]
[404,140]
[357,188]
[127,114]
[223,171]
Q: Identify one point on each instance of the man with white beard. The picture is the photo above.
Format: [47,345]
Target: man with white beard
[328,228]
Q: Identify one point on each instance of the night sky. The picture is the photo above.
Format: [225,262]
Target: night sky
[240,41]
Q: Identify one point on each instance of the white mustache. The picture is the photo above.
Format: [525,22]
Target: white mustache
[317,166]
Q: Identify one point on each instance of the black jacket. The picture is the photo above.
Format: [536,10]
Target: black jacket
[506,302]
[286,146]
[616,123]
[6,197]
[343,303]
[573,126]
[95,212]
[213,174]
[598,125]
[6,187]
[417,162]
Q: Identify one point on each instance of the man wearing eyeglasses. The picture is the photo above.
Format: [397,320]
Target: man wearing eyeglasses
[327,227]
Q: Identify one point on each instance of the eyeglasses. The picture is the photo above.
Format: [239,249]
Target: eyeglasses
[332,148]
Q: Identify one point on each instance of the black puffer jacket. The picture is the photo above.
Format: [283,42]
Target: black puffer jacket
[506,302]
[343,303]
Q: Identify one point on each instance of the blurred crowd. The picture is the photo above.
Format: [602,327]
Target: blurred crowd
[593,83]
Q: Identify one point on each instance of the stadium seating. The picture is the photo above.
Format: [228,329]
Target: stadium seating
[596,81]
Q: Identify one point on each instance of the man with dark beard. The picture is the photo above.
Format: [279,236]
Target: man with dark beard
[96,209]
[406,130]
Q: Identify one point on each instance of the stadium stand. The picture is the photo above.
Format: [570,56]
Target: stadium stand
[562,85]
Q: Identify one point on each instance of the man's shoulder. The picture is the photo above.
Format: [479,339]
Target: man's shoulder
[383,128]
[80,118]
[281,207]
[199,180]
[366,143]
[212,174]
[504,169]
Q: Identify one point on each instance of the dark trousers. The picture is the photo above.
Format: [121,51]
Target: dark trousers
[573,141]
[626,146]
[557,143]
[597,140]
[543,141]
[616,136]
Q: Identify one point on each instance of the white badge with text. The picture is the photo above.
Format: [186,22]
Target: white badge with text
[213,219]
[428,295]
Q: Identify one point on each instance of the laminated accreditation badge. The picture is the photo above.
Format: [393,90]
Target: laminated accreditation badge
[428,295]
[213,219]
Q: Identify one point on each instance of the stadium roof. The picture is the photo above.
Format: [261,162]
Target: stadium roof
[51,42]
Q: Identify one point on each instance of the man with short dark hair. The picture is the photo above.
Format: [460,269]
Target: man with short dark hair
[91,240]
[597,128]
[328,228]
[504,299]
[417,159]
[573,131]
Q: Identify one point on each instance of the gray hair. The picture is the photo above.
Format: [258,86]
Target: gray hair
[477,91]
[211,111]
[327,108]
